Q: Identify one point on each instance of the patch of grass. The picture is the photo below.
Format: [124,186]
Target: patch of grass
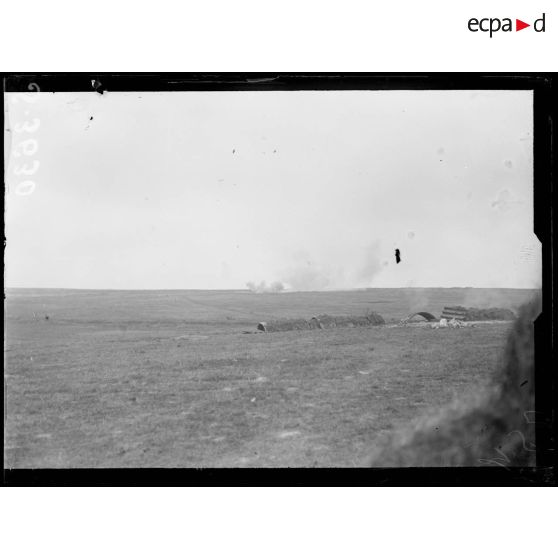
[180,386]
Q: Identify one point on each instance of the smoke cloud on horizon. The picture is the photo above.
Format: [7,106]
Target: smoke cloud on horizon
[263,287]
[309,273]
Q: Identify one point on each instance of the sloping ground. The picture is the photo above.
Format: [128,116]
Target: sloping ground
[490,427]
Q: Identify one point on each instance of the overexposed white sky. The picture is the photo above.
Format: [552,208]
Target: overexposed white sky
[314,189]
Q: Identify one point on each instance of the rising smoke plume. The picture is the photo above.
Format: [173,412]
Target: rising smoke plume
[371,265]
[308,273]
[355,268]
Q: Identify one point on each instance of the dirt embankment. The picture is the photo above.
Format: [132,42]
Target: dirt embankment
[322,321]
[484,314]
[493,427]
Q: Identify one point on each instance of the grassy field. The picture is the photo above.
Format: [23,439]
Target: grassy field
[169,379]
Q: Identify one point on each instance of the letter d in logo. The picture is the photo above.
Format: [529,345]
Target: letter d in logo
[539,24]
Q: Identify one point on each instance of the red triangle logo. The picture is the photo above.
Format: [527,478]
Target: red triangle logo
[519,25]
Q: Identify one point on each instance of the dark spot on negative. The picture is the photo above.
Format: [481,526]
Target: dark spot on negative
[97,86]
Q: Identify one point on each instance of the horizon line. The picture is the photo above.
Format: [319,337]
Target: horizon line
[285,291]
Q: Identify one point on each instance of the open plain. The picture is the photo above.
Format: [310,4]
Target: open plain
[170,379]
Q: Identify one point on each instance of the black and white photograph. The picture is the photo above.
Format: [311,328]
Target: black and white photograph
[225,277]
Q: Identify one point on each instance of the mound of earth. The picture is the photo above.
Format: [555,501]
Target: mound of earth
[481,314]
[322,321]
[283,325]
